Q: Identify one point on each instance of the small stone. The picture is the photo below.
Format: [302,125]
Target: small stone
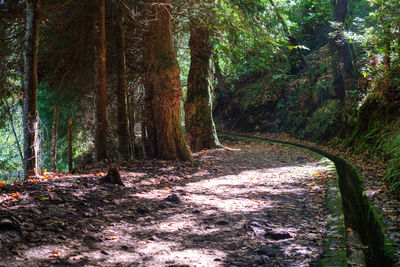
[173,199]
[277,234]
[142,210]
[266,250]
[36,211]
[221,222]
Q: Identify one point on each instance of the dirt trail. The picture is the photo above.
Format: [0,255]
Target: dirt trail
[250,204]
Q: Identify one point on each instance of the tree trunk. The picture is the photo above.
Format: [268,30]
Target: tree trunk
[123,123]
[343,49]
[199,123]
[163,88]
[54,139]
[7,106]
[222,84]
[70,145]
[30,89]
[100,143]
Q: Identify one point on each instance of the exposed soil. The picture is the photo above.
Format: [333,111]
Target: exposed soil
[248,204]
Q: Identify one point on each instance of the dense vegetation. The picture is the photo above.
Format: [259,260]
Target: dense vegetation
[328,71]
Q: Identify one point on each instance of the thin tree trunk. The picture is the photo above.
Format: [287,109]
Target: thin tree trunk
[70,145]
[123,123]
[131,124]
[100,143]
[30,89]
[54,139]
[220,77]
[343,49]
[5,103]
[199,123]
[145,139]
[163,88]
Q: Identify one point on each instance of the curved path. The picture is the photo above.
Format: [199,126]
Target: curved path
[249,204]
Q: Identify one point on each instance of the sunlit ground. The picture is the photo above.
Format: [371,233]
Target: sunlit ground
[223,218]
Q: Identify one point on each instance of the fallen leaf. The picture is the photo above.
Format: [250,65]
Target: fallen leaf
[16,195]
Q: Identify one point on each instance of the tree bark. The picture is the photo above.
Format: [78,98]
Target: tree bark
[30,89]
[54,138]
[7,106]
[222,84]
[199,123]
[343,49]
[70,145]
[123,122]
[163,89]
[100,143]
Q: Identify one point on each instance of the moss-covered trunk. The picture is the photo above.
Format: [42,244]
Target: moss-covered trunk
[198,109]
[163,89]
[30,89]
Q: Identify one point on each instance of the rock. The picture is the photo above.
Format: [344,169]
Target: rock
[173,199]
[9,222]
[181,192]
[36,211]
[277,234]
[221,222]
[267,250]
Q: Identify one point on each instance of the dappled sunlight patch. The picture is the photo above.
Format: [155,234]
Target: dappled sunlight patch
[170,253]
[46,252]
[177,222]
[134,175]
[227,204]
[198,257]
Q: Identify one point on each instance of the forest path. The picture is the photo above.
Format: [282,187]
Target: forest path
[249,204]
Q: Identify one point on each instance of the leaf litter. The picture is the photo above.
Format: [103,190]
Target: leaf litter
[247,204]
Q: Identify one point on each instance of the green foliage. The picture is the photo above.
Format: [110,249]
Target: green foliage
[9,156]
[69,108]
[323,121]
[391,149]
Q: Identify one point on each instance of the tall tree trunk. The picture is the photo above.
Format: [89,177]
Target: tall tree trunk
[163,89]
[343,49]
[54,138]
[30,89]
[131,123]
[70,145]
[199,123]
[7,106]
[100,143]
[123,122]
